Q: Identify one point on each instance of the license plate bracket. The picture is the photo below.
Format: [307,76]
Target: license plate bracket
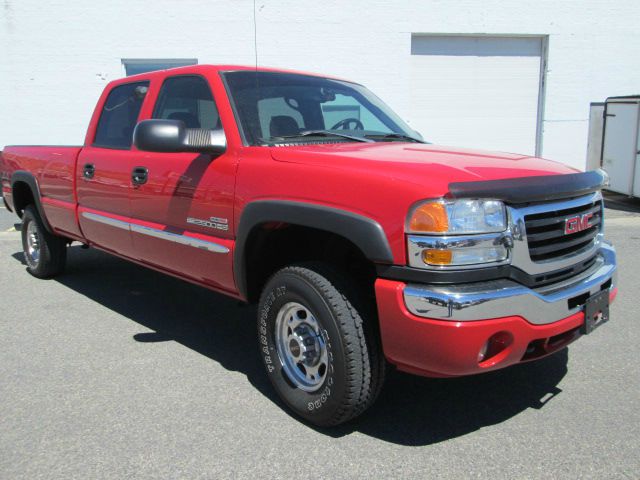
[596,311]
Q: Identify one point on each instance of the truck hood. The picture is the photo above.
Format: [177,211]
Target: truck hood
[418,163]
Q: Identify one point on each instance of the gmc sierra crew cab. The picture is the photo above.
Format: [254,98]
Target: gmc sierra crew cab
[362,245]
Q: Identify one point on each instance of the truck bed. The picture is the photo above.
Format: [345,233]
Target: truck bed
[54,168]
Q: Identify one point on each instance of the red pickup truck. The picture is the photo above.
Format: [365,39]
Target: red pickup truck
[363,245]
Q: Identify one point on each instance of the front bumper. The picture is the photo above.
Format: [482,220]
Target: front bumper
[440,330]
[498,298]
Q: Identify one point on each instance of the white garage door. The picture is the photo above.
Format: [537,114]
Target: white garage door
[479,92]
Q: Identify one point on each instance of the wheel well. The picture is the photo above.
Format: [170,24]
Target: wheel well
[22,197]
[272,246]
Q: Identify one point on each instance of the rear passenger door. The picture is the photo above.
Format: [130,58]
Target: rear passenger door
[182,213]
[103,174]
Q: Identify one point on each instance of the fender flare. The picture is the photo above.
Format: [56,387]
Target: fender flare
[365,233]
[30,180]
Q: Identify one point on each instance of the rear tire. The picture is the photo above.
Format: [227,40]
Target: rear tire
[44,252]
[323,360]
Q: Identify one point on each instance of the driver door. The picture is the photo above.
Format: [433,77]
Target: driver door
[182,213]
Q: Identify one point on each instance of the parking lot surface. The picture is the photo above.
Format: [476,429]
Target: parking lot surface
[115,371]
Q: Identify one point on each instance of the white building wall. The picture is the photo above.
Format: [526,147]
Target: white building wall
[56,56]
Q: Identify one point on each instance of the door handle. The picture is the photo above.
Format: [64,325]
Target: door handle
[88,171]
[139,175]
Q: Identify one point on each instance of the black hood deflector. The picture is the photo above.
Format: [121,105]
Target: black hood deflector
[531,189]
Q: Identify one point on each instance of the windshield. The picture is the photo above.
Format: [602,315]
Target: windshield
[274,107]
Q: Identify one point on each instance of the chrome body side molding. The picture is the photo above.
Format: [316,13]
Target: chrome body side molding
[107,220]
[156,233]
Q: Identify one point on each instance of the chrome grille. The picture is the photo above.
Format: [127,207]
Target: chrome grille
[546,231]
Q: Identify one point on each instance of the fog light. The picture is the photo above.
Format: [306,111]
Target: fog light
[437,257]
[483,352]
[495,349]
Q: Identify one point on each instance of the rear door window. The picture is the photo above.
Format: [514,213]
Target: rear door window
[120,115]
[187,98]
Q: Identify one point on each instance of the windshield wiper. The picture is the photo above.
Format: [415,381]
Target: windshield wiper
[322,133]
[394,136]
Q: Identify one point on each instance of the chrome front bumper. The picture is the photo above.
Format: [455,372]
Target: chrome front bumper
[503,298]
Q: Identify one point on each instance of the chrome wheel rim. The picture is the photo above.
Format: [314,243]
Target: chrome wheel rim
[301,347]
[33,243]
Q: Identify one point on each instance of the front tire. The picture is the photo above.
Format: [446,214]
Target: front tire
[44,252]
[322,359]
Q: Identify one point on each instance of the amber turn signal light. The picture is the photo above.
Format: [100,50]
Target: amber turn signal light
[437,257]
[429,218]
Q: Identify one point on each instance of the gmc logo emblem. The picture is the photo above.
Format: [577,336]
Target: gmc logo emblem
[577,224]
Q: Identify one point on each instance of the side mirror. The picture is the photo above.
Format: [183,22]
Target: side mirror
[173,136]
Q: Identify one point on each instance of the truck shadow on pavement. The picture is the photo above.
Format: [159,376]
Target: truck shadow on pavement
[411,410]
[420,411]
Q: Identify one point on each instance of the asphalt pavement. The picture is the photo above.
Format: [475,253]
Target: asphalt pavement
[115,371]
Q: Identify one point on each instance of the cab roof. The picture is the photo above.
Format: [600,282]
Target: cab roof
[208,69]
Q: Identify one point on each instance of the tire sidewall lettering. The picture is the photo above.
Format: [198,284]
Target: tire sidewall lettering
[275,296]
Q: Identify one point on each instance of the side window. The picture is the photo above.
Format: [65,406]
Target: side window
[187,98]
[119,116]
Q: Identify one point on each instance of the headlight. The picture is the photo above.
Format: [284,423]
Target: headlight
[458,217]
[457,233]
